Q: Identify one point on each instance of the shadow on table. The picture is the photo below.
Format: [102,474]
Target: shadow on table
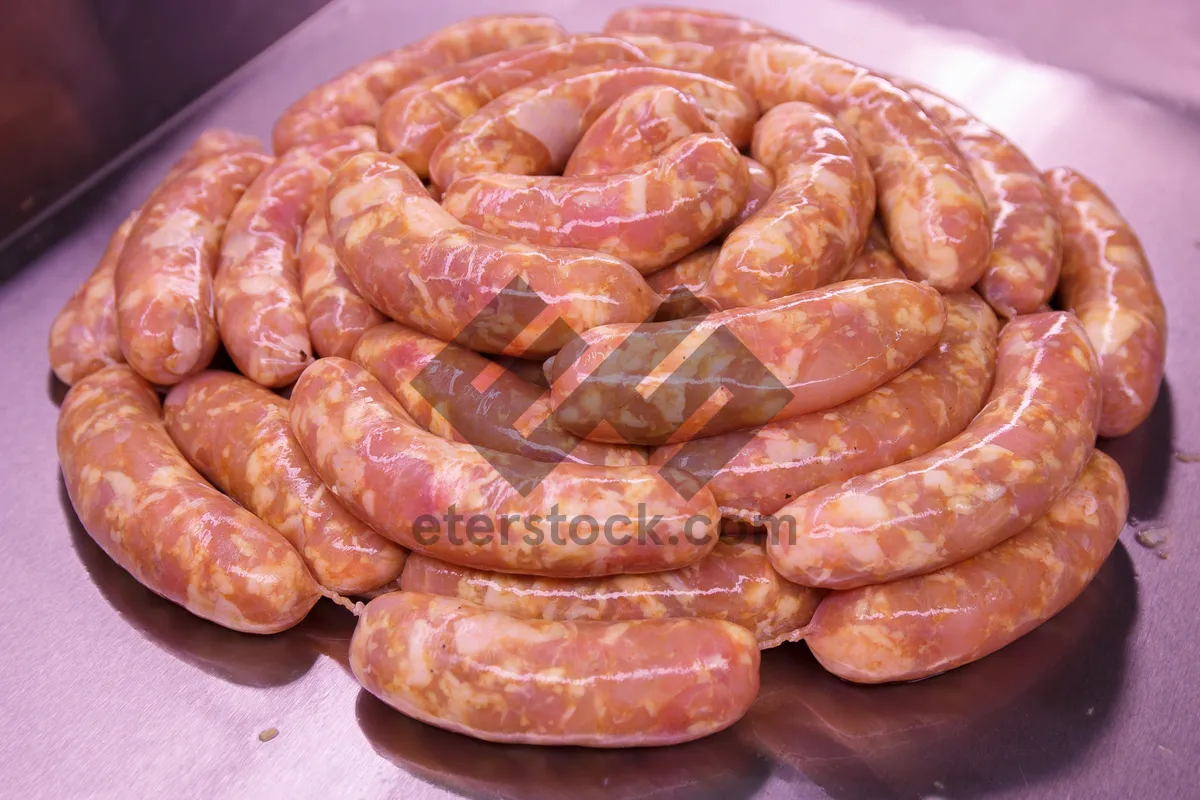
[241,658]
[1021,715]
[1147,455]
[719,766]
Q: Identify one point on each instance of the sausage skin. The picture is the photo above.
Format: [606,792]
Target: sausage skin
[917,627]
[156,517]
[1023,450]
[688,25]
[238,435]
[462,667]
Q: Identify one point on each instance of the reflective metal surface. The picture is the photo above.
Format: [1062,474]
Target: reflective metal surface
[110,691]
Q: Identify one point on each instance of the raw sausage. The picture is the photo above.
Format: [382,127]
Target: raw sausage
[420,266]
[906,417]
[464,668]
[337,314]
[238,435]
[364,446]
[652,384]
[1028,444]
[679,283]
[1107,283]
[1026,237]
[673,54]
[688,25]
[354,97]
[533,130]
[164,275]
[813,225]
[416,119]
[876,259]
[462,396]
[735,582]
[917,627]
[936,218]
[648,216]
[156,517]
[83,337]
[259,310]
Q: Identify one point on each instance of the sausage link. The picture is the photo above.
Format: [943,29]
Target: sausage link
[906,417]
[464,668]
[260,313]
[876,259]
[529,371]
[156,517]
[1023,450]
[164,275]
[337,314]
[415,120]
[1107,282]
[814,223]
[667,53]
[436,383]
[364,445]
[238,435]
[1023,268]
[688,25]
[354,97]
[735,583]
[648,216]
[917,627]
[936,217]
[679,283]
[83,337]
[534,129]
[653,383]
[762,186]
[422,267]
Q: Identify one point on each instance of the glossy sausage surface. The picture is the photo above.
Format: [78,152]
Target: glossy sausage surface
[685,24]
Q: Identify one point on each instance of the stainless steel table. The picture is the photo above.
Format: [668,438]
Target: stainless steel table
[110,691]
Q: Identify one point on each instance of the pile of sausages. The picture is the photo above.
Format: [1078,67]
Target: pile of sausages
[686,278]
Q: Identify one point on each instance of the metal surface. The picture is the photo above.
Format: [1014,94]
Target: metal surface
[110,691]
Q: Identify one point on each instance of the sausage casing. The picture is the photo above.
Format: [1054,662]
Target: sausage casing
[1023,450]
[238,435]
[465,668]
[156,517]
[735,582]
[1107,282]
[916,627]
[685,24]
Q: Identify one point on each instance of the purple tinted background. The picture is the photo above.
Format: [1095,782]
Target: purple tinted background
[113,692]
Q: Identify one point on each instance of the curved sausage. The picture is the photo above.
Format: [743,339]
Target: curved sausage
[487,509]
[1107,282]
[529,371]
[422,267]
[648,216]
[679,283]
[814,223]
[688,25]
[659,383]
[735,583]
[259,310]
[936,218]
[762,186]
[238,435]
[83,337]
[1023,268]
[667,53]
[415,120]
[464,668]
[156,517]
[755,473]
[164,275]
[1027,445]
[462,396]
[533,130]
[354,97]
[876,259]
[337,314]
[917,627]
